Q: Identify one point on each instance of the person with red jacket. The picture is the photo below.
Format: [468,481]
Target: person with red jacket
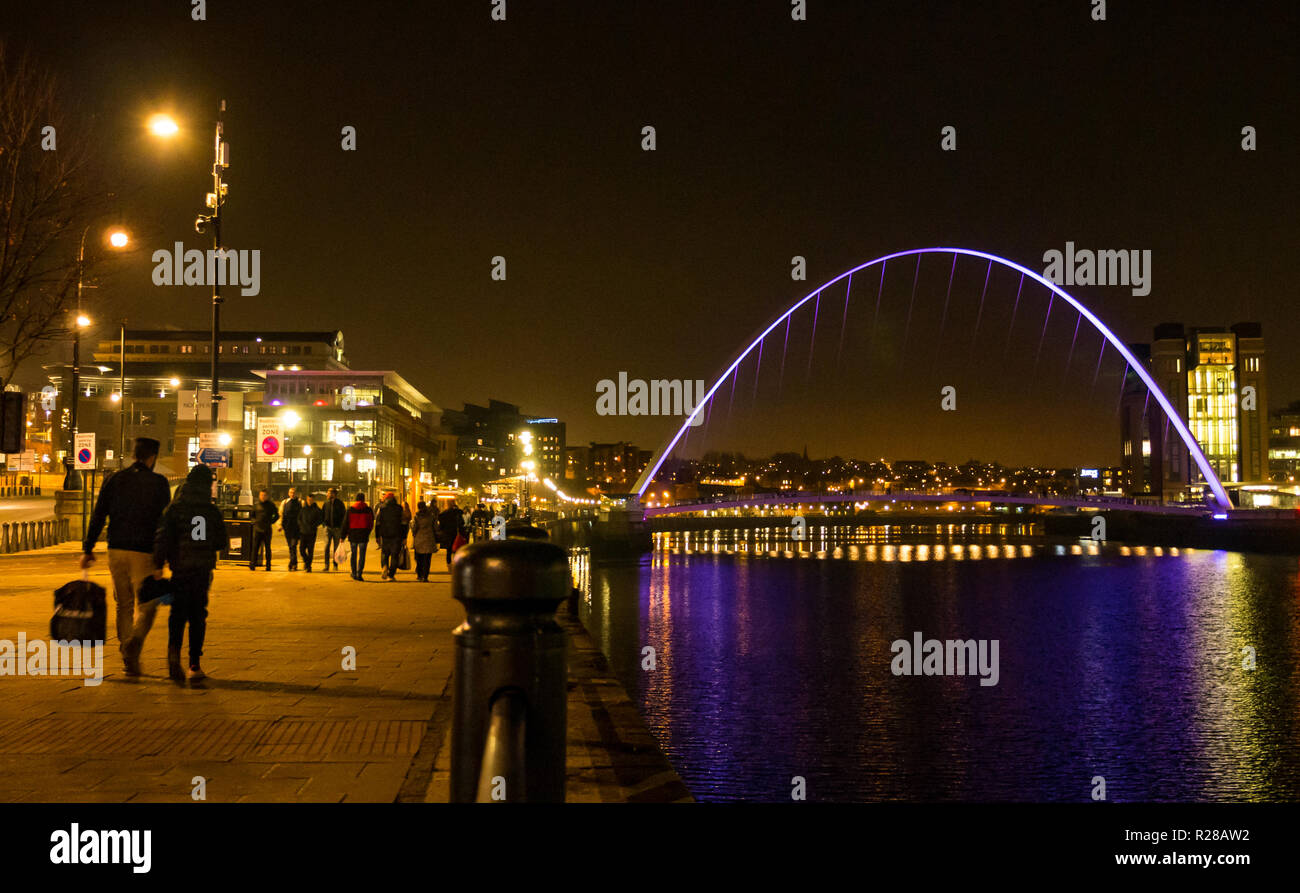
[357,524]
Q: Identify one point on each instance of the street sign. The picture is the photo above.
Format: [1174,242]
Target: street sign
[214,458]
[211,453]
[21,461]
[270,440]
[187,408]
[84,450]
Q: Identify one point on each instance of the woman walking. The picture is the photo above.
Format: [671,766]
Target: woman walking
[424,540]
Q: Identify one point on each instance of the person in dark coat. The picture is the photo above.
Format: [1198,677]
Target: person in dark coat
[390,531]
[479,519]
[265,514]
[335,512]
[358,521]
[289,523]
[190,535]
[309,521]
[424,540]
[131,500]
[451,521]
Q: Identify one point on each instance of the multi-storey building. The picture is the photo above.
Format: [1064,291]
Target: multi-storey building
[165,391]
[489,446]
[1284,444]
[1216,380]
[349,428]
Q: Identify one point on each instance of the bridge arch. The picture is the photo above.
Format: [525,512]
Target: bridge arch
[1175,419]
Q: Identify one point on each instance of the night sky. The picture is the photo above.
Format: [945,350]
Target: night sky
[775,138]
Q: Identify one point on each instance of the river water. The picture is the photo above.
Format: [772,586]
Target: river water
[773,662]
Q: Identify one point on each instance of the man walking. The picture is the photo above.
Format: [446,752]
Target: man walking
[358,522]
[190,535]
[390,530]
[479,520]
[264,517]
[289,523]
[309,521]
[451,521]
[132,500]
[335,512]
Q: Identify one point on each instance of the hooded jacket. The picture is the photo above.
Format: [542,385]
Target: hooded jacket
[358,522]
[191,532]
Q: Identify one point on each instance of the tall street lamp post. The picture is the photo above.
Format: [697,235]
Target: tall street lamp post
[215,201]
[72,477]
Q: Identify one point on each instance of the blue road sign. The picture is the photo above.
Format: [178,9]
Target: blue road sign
[83,455]
[214,458]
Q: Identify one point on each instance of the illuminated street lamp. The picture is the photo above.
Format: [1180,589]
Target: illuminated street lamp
[72,477]
[163,126]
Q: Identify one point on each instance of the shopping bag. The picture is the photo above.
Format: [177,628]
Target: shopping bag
[460,541]
[342,552]
[404,560]
[155,590]
[80,612]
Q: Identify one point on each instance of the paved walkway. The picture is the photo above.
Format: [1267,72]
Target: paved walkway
[280,718]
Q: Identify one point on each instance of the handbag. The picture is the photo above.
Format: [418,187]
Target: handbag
[404,560]
[80,612]
[460,541]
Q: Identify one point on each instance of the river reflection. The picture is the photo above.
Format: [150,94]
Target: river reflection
[772,660]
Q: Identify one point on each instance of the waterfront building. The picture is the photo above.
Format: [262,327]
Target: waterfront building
[1284,444]
[489,446]
[1216,379]
[166,391]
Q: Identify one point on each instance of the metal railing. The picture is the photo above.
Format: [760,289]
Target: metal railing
[23,536]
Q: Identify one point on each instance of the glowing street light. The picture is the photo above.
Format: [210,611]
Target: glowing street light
[175,382]
[83,321]
[163,126]
[119,239]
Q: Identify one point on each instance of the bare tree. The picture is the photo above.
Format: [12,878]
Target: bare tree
[46,198]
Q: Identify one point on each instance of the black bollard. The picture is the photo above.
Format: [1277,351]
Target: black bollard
[511,669]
